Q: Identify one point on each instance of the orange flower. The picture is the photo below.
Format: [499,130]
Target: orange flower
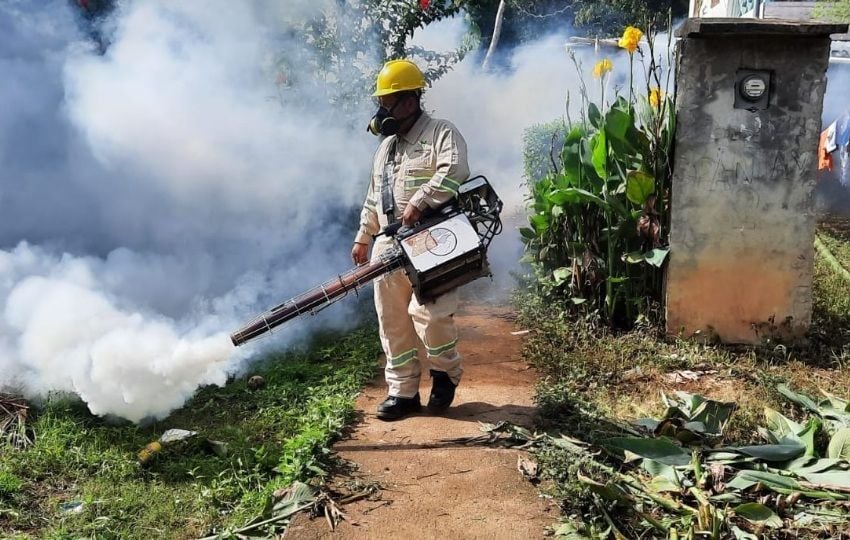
[655,96]
[602,67]
[630,39]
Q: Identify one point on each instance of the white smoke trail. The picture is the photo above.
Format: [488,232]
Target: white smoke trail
[168,193]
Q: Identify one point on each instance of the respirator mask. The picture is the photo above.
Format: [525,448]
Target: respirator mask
[384,123]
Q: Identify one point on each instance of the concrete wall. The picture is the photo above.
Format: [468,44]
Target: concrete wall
[742,223]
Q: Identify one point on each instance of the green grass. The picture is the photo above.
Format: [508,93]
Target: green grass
[274,436]
[831,318]
[593,381]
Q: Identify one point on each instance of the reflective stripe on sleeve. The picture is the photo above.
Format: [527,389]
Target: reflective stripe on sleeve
[448,185]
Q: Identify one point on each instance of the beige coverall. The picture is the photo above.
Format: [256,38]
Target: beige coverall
[430,165]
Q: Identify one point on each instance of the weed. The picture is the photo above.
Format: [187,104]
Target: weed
[10,485]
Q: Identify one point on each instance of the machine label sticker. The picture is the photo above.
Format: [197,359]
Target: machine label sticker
[441,242]
[438,241]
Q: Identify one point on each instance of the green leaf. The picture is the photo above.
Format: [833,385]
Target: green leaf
[660,450]
[566,442]
[648,424]
[594,115]
[743,535]
[661,484]
[839,445]
[759,514]
[771,480]
[836,402]
[739,483]
[539,222]
[799,399]
[617,124]
[797,464]
[297,496]
[563,196]
[576,195]
[656,258]
[726,498]
[634,257]
[689,402]
[609,490]
[830,480]
[779,425]
[561,274]
[714,414]
[696,427]
[724,456]
[622,103]
[807,436]
[568,531]
[819,516]
[659,470]
[817,466]
[527,233]
[639,186]
[772,452]
[600,154]
[575,135]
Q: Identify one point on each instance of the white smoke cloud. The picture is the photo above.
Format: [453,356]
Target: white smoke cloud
[68,335]
[164,193]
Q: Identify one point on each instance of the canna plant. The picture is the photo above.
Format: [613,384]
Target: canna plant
[597,231]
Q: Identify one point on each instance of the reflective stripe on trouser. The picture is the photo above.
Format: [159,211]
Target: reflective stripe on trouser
[401,318]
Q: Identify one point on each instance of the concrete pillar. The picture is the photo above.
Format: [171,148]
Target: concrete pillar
[742,222]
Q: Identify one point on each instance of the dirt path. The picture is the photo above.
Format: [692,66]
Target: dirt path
[436,490]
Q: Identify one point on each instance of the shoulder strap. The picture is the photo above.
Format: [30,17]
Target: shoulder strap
[387,197]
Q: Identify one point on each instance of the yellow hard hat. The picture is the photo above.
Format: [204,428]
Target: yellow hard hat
[398,76]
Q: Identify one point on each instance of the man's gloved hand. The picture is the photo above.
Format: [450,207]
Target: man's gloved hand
[411,215]
[360,253]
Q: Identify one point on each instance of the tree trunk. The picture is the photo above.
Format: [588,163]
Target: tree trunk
[497,31]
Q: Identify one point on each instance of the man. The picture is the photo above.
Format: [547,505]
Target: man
[418,166]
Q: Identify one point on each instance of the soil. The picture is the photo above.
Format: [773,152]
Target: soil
[434,488]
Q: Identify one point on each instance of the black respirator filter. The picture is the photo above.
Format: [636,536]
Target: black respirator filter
[383,123]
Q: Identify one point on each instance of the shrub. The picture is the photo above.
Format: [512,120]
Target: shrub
[597,231]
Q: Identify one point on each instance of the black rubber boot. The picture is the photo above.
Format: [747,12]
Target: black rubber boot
[442,391]
[395,407]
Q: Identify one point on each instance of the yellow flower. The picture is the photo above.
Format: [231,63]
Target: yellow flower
[602,67]
[630,39]
[655,96]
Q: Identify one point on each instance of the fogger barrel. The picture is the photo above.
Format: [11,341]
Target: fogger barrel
[317,298]
[446,250]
